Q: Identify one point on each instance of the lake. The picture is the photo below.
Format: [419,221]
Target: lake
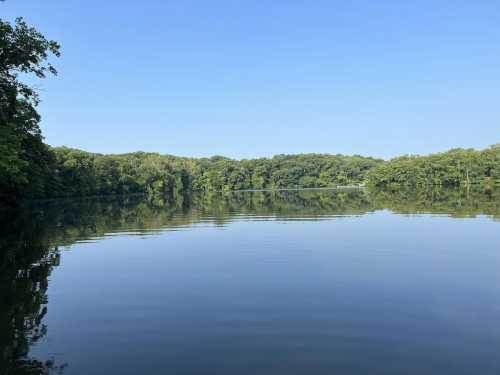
[294,282]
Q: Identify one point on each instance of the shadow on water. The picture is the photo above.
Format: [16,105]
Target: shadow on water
[30,241]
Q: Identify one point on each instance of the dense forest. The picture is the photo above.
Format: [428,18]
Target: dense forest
[30,169]
[453,168]
[70,173]
[77,173]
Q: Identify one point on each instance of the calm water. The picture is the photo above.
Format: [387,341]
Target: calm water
[309,282]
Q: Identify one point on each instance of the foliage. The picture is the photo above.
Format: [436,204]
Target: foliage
[71,173]
[24,158]
[453,168]
[283,171]
[78,173]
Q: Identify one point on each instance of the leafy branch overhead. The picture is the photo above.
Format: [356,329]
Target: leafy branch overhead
[23,49]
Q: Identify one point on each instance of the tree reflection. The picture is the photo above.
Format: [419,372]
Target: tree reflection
[30,240]
[459,203]
[26,261]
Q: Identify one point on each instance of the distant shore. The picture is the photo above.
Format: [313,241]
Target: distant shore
[296,189]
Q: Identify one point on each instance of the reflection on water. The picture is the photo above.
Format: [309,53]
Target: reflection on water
[30,241]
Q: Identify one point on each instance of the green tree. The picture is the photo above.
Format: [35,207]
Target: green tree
[24,159]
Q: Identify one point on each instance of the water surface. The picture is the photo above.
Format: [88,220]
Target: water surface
[296,282]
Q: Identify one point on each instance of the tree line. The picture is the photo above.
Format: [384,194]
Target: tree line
[30,169]
[69,173]
[65,172]
[457,167]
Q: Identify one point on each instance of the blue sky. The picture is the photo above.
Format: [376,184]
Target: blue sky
[258,78]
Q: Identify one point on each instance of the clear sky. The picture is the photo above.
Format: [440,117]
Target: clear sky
[258,78]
